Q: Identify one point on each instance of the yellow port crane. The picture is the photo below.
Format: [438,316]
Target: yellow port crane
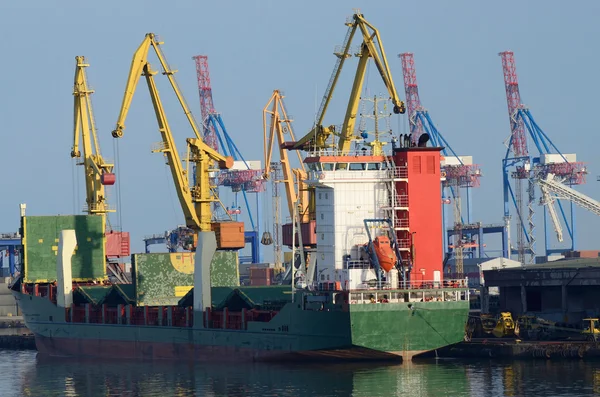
[195,200]
[274,131]
[371,47]
[97,172]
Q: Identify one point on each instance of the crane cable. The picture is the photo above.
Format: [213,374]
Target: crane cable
[74,184]
[118,172]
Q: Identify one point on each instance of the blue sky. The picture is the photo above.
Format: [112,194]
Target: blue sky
[257,46]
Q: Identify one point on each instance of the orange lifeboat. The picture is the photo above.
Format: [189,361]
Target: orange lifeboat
[385,254]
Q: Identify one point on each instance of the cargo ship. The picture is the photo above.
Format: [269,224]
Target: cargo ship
[373,287]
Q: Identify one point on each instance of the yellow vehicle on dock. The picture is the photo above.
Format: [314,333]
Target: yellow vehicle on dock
[591,329]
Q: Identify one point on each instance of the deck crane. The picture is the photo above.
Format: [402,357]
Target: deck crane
[196,200]
[280,124]
[98,173]
[371,47]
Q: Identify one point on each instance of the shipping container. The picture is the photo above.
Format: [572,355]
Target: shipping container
[117,244]
[230,235]
[261,275]
[582,254]
[309,234]
[555,158]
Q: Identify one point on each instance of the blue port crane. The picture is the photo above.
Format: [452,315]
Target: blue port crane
[521,167]
[243,178]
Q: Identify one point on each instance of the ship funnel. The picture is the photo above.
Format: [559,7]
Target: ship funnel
[423,140]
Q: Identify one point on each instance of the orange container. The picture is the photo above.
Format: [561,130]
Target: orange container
[230,235]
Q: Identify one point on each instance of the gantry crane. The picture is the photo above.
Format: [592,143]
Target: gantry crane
[296,190]
[524,166]
[97,172]
[195,200]
[371,47]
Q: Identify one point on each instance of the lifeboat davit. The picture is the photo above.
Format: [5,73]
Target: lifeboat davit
[385,254]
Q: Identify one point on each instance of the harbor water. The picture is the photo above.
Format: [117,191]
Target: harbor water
[23,373]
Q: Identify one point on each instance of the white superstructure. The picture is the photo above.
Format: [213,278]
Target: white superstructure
[348,190]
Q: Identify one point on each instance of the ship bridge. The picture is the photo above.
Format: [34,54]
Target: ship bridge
[349,188]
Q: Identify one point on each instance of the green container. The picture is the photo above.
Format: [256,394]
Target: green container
[40,247]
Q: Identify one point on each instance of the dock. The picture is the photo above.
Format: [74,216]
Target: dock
[516,349]
[14,334]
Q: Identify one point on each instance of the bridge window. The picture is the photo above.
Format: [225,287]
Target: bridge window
[327,166]
[372,166]
[341,166]
[357,166]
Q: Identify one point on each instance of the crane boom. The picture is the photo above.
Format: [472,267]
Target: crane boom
[548,200]
[371,47]
[195,201]
[139,61]
[97,172]
[279,124]
[553,184]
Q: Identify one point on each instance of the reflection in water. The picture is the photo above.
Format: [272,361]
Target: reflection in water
[66,377]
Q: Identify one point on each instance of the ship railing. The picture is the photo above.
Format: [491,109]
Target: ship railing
[226,319]
[413,296]
[174,316]
[346,175]
[333,152]
[455,283]
[163,316]
[358,264]
[398,201]
[403,223]
[399,172]
[403,242]
[414,291]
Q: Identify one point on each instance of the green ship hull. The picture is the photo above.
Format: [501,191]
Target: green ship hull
[298,331]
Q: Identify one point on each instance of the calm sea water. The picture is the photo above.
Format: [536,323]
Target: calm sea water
[24,374]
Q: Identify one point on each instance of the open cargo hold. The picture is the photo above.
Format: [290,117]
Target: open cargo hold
[40,247]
